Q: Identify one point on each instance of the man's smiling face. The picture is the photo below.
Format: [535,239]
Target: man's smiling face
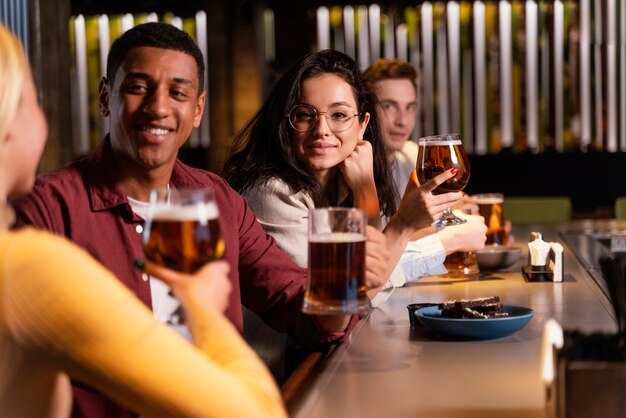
[153,105]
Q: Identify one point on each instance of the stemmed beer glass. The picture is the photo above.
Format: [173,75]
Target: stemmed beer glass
[437,154]
[182,231]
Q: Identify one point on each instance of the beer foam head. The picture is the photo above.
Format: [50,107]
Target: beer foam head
[337,237]
[173,212]
[489,200]
[440,143]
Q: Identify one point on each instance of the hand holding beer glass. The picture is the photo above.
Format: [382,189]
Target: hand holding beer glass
[336,280]
[182,231]
[437,154]
[466,239]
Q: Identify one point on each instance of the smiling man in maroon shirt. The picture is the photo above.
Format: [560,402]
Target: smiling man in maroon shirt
[154,97]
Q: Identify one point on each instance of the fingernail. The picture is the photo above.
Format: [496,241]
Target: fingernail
[139,264]
[454,170]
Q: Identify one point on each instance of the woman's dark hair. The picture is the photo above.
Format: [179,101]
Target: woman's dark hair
[263,148]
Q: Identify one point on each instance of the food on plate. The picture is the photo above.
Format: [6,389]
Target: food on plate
[479,308]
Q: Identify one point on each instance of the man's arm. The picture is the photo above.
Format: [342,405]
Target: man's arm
[272,285]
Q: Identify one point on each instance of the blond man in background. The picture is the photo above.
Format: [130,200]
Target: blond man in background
[393,81]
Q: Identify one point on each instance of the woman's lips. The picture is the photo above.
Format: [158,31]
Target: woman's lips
[321,148]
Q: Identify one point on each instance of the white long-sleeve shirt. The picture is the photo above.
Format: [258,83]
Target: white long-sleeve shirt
[284,214]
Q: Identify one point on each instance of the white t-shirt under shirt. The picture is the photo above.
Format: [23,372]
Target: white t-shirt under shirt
[403,163]
[429,251]
[163,304]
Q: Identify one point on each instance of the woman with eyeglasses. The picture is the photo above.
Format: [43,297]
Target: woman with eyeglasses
[316,142]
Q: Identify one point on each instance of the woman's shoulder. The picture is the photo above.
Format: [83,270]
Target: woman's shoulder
[28,243]
[271,185]
[27,235]
[274,188]
[45,260]
[273,197]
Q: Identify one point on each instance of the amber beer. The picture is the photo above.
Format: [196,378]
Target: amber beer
[336,282]
[435,157]
[491,207]
[461,264]
[183,235]
[337,271]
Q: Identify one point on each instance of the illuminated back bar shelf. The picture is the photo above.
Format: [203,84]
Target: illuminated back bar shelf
[519,76]
[518,79]
[537,89]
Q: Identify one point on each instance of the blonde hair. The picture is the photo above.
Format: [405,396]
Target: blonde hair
[13,74]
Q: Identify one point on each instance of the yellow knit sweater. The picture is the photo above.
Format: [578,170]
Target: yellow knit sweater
[61,314]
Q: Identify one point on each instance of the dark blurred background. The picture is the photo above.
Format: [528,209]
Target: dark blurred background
[566,128]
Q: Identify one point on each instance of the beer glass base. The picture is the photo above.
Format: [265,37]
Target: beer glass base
[463,272]
[461,265]
[313,308]
[448,218]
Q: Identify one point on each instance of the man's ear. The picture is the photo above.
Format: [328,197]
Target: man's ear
[197,116]
[103,97]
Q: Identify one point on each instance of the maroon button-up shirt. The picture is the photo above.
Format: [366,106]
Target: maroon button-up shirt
[85,202]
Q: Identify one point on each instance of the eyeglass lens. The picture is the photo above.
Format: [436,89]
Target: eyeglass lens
[340,118]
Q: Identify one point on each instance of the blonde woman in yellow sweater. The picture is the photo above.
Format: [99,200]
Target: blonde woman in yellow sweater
[54,324]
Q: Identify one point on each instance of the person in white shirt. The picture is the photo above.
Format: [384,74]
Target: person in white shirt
[316,142]
[393,82]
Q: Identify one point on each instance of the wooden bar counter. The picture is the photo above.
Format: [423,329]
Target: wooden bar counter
[388,369]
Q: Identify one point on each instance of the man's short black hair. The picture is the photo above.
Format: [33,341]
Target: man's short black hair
[157,35]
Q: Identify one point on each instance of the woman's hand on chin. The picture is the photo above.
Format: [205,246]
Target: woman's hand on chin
[358,167]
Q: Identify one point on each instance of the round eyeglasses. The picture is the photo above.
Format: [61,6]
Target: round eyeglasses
[304,117]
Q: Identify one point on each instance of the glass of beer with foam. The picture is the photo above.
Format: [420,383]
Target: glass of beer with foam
[336,282]
[182,230]
[491,207]
[437,154]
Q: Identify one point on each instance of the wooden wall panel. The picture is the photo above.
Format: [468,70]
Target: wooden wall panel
[50,58]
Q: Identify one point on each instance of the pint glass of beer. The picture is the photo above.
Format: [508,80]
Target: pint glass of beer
[336,282]
[491,207]
[182,231]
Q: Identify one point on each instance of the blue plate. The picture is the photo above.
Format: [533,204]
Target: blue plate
[480,329]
